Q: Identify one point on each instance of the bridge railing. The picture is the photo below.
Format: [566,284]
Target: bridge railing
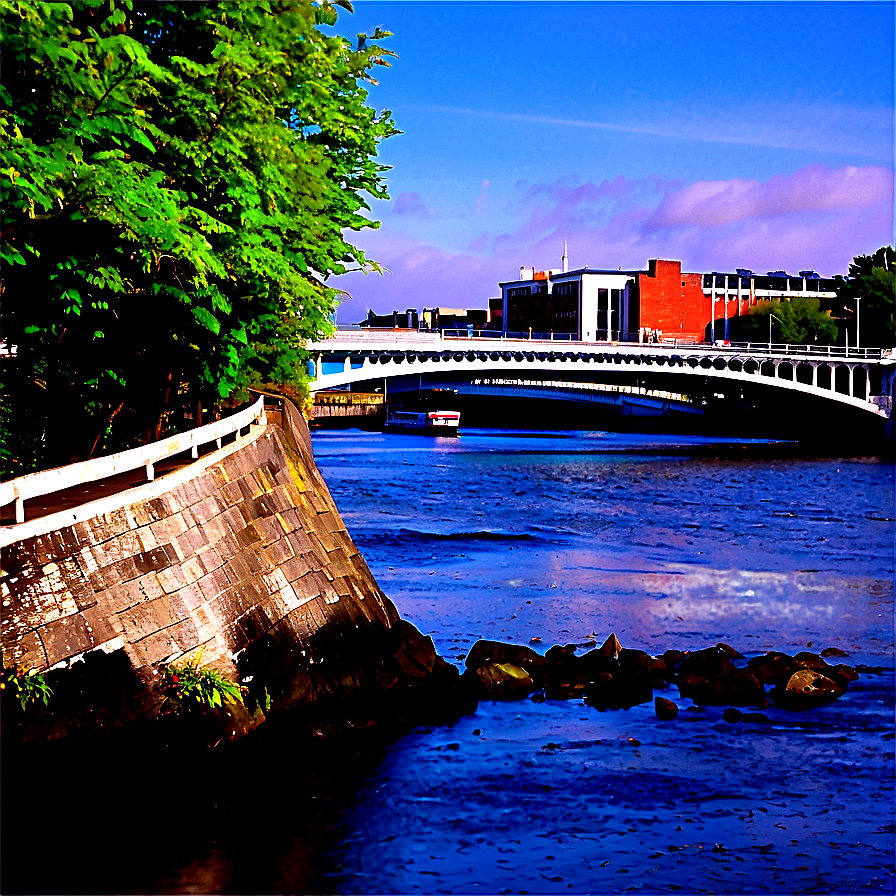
[46,482]
[385,334]
[776,348]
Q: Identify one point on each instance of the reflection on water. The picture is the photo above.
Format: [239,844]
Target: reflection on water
[546,537]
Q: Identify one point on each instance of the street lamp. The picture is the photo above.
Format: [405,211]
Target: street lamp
[772,317]
[858,299]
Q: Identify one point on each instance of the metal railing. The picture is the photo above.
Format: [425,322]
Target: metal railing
[46,482]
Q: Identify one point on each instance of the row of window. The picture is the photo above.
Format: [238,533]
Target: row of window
[777,284]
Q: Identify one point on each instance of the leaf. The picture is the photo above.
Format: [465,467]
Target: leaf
[207,319]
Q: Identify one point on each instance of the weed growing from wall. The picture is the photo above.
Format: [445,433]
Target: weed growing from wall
[28,686]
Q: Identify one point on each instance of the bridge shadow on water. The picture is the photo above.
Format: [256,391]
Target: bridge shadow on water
[809,426]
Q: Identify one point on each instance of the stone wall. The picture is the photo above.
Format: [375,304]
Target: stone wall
[246,560]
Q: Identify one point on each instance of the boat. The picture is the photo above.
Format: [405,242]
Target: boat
[427,423]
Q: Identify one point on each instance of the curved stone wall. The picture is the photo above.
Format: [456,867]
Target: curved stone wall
[244,557]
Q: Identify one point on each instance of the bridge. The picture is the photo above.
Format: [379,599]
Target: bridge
[595,371]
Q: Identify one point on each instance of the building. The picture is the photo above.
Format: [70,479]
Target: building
[397,320]
[440,318]
[661,302]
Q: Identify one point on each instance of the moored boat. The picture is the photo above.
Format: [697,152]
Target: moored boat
[429,423]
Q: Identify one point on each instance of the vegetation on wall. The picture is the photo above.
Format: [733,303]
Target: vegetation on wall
[177,183]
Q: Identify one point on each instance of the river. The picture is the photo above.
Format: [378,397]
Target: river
[545,538]
[565,537]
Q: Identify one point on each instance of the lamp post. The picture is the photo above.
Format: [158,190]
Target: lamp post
[858,299]
[772,317]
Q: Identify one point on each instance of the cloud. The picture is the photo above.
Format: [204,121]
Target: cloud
[773,125]
[815,188]
[815,217]
[412,205]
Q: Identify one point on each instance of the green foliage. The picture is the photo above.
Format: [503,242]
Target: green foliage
[177,184]
[187,688]
[799,321]
[872,280]
[28,686]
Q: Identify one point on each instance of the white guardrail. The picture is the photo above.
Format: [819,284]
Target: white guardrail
[34,485]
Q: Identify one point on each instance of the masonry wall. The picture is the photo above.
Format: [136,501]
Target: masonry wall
[673,302]
[248,561]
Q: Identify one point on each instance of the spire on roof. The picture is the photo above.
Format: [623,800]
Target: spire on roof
[565,258]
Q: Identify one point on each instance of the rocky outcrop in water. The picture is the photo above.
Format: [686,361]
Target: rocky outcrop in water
[614,677]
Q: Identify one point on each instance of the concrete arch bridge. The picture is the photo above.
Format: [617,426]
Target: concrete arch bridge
[862,379]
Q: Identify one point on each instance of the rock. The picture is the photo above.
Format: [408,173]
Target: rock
[804,690]
[732,715]
[483,652]
[611,647]
[621,690]
[665,709]
[739,687]
[729,651]
[773,668]
[502,680]
[842,675]
[709,663]
[567,675]
[833,651]
[811,661]
[672,658]
[694,687]
[629,658]
[596,662]
[414,652]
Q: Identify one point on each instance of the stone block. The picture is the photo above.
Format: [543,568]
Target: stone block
[157,559]
[65,638]
[248,489]
[249,536]
[279,551]
[192,569]
[210,506]
[214,583]
[171,579]
[269,529]
[26,650]
[209,559]
[295,568]
[147,540]
[230,494]
[192,597]
[168,528]
[141,514]
[263,506]
[147,618]
[160,646]
[102,625]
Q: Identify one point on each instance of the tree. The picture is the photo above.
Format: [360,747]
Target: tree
[799,321]
[177,181]
[871,280]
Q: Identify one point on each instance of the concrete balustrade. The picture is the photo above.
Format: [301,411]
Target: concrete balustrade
[47,482]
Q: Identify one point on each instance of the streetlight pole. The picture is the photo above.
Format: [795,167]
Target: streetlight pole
[858,299]
[772,317]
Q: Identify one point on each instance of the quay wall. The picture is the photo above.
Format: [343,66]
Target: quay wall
[246,560]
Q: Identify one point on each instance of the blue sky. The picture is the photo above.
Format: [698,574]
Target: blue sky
[755,135]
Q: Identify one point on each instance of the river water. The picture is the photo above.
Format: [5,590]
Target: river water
[563,538]
[543,538]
